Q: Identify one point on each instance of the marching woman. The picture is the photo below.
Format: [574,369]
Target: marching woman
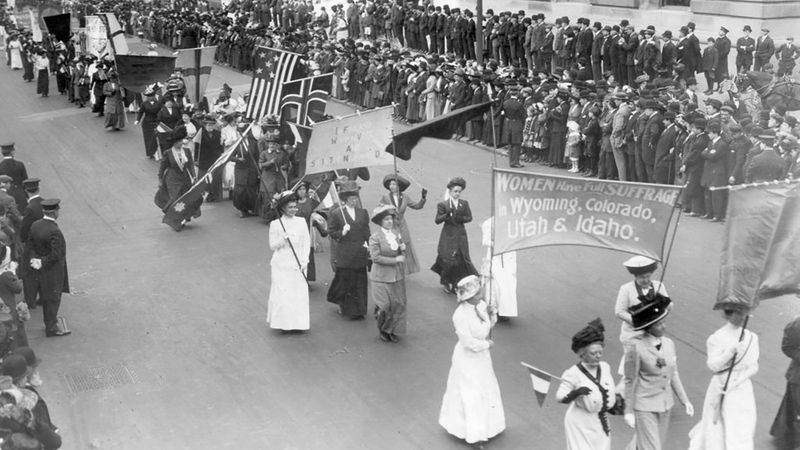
[41,64]
[287,309]
[349,227]
[651,377]
[396,185]
[588,388]
[176,172]
[15,50]
[114,107]
[453,262]
[387,252]
[472,408]
[148,117]
[732,424]
[306,205]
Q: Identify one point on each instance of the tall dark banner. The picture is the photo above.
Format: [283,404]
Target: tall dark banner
[59,26]
[136,72]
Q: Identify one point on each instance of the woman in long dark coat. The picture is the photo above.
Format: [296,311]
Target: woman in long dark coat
[176,172]
[169,115]
[453,262]
[349,227]
[114,107]
[148,117]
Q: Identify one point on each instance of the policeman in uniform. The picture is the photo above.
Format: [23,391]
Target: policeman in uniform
[32,213]
[48,255]
[514,113]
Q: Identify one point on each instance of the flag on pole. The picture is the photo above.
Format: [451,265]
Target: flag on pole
[329,199]
[163,128]
[304,100]
[136,72]
[761,246]
[541,382]
[115,34]
[59,26]
[442,127]
[273,67]
[195,65]
[301,135]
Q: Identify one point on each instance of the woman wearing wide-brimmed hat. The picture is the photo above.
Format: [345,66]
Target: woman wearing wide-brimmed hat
[397,185]
[287,308]
[731,425]
[306,208]
[453,262]
[641,289]
[588,388]
[651,376]
[387,278]
[472,408]
[348,225]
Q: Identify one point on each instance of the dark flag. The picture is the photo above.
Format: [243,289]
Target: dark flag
[195,65]
[137,72]
[761,250]
[304,100]
[187,205]
[273,67]
[59,26]
[442,127]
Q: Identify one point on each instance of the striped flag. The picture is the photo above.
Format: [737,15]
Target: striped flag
[195,65]
[115,34]
[541,382]
[304,100]
[330,200]
[273,67]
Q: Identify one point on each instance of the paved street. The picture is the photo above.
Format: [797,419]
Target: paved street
[170,348]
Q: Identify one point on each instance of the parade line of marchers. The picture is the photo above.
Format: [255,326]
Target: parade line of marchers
[508,182]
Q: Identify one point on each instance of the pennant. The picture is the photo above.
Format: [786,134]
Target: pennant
[540,381]
[442,127]
[59,26]
[273,67]
[304,100]
[136,72]
[163,128]
[114,33]
[330,200]
[195,65]
[761,247]
[353,141]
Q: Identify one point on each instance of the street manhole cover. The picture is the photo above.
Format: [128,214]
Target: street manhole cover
[100,378]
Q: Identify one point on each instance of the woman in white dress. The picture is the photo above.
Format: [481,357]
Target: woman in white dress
[15,51]
[734,426]
[287,308]
[472,408]
[588,388]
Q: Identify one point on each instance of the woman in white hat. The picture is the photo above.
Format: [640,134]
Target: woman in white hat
[651,376]
[642,289]
[287,308]
[387,277]
[472,408]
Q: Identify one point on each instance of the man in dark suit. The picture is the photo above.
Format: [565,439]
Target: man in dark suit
[546,50]
[630,46]
[664,172]
[537,39]
[694,47]
[745,46]
[723,46]
[48,255]
[669,53]
[710,62]
[692,167]
[598,47]
[349,227]
[584,40]
[650,137]
[352,16]
[765,48]
[514,114]
[32,213]
[786,427]
[16,170]
[715,173]
[396,17]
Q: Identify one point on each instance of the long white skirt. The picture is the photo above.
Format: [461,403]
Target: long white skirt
[736,426]
[472,408]
[288,308]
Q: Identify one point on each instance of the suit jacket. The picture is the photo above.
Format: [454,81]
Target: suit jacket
[694,50]
[547,44]
[16,170]
[350,250]
[454,235]
[652,132]
[745,46]
[715,171]
[765,48]
[630,47]
[710,59]
[385,268]
[47,243]
[32,213]
[583,46]
[664,153]
[597,48]
[669,54]
[651,376]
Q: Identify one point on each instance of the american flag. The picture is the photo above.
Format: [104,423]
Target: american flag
[304,100]
[273,67]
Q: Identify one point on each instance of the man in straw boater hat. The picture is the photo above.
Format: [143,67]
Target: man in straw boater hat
[48,255]
[349,227]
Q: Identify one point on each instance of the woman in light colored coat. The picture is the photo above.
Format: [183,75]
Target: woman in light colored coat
[387,280]
[396,185]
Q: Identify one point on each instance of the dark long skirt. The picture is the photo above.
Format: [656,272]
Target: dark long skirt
[43,83]
[349,291]
[245,198]
[150,138]
[311,268]
[451,272]
[557,143]
[786,427]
